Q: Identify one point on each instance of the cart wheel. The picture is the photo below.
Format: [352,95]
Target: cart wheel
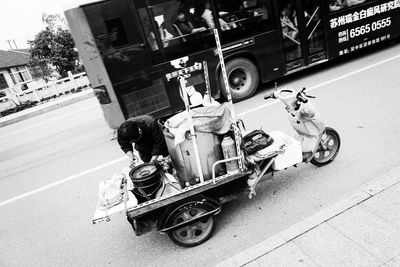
[193,234]
[327,149]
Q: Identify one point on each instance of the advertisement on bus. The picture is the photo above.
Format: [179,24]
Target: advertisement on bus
[362,26]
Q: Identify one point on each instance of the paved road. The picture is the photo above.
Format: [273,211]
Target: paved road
[50,167]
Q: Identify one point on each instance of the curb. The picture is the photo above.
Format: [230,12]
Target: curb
[354,198]
[46,107]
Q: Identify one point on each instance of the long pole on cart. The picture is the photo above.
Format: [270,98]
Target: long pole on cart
[224,75]
[228,96]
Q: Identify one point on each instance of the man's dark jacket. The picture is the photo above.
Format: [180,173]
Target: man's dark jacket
[152,141]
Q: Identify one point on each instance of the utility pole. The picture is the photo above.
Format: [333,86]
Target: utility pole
[8,41]
[10,44]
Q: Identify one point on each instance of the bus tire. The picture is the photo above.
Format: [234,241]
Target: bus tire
[243,79]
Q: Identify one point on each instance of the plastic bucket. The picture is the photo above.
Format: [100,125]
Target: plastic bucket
[146,179]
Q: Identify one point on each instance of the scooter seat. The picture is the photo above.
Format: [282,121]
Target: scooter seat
[268,152]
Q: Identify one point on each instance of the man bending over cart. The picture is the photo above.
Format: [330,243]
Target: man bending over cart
[147,136]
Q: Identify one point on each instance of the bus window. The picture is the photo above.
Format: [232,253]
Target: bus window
[340,4]
[148,30]
[154,21]
[177,25]
[116,32]
[239,19]
[290,31]
[314,27]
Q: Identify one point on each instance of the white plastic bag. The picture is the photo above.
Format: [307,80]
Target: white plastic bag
[111,191]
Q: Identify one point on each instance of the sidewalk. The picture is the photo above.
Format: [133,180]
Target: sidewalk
[361,230]
[46,107]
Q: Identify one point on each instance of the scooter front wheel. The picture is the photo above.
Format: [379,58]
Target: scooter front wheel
[328,148]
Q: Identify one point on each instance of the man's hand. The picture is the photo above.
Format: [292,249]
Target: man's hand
[132,162]
[155,157]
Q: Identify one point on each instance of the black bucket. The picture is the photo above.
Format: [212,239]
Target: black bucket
[146,179]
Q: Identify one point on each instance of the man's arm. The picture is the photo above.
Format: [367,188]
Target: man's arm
[128,150]
[159,144]
[199,29]
[208,18]
[185,29]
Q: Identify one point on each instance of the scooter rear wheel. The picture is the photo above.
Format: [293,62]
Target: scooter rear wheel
[328,148]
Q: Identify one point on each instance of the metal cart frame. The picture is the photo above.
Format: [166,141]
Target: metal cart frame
[195,195]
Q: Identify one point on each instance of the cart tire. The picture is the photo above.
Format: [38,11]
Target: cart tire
[193,234]
[243,79]
[331,141]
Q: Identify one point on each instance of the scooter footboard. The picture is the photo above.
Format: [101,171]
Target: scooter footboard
[292,154]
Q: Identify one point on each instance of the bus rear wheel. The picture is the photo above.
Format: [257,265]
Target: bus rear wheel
[243,78]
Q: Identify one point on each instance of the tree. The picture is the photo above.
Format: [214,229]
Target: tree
[54,46]
[54,21]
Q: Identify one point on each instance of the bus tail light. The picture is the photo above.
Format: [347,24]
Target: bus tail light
[102,95]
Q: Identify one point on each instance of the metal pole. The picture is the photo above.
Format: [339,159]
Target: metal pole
[224,75]
[228,95]
[207,80]
[182,87]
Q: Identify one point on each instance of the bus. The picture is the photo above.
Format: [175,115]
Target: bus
[127,45]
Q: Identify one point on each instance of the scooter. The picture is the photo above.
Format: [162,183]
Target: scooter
[314,143]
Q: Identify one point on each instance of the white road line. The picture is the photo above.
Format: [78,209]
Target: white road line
[73,177]
[70,178]
[48,121]
[270,103]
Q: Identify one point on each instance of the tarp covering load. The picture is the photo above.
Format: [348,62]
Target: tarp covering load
[213,119]
[210,123]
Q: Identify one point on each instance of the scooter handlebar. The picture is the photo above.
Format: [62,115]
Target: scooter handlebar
[302,95]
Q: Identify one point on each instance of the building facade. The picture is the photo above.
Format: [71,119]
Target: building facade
[15,75]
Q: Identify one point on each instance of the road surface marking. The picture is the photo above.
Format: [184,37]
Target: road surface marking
[324,83]
[70,178]
[48,121]
[73,177]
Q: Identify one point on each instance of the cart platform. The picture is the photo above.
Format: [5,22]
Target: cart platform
[136,210]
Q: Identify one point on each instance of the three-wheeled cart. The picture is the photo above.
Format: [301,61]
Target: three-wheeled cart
[187,213]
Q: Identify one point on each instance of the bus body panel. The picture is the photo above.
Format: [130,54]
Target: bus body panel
[94,67]
[270,57]
[362,26]
[265,55]
[137,72]
[126,50]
